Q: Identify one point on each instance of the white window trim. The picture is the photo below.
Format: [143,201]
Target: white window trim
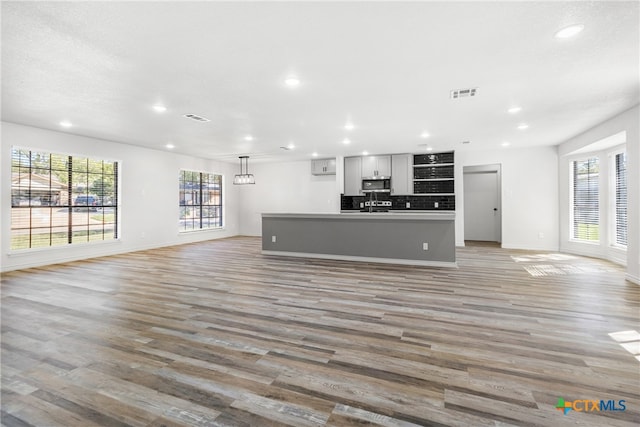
[73,246]
[223,226]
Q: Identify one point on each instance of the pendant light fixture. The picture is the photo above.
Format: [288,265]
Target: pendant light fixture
[244,177]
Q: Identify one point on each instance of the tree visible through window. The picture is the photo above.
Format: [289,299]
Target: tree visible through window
[586,204]
[58,199]
[200,200]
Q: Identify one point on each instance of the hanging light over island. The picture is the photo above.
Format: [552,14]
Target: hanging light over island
[244,177]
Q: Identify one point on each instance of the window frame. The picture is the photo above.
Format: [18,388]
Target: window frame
[64,201]
[584,158]
[612,202]
[199,195]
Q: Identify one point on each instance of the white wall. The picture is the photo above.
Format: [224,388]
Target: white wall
[287,187]
[148,195]
[629,121]
[529,195]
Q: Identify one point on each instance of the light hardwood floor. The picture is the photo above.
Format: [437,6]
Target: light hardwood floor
[214,333]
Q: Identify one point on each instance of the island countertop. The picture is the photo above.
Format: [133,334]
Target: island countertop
[425,238]
[393,215]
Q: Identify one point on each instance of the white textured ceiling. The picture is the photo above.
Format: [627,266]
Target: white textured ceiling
[386,66]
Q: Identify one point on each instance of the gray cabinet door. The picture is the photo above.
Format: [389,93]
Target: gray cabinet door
[352,176]
[323,167]
[376,166]
[402,174]
[330,167]
[317,167]
[384,165]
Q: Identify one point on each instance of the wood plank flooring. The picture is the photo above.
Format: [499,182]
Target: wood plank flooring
[216,334]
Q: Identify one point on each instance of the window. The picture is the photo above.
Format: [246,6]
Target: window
[620,179]
[585,201]
[200,201]
[58,199]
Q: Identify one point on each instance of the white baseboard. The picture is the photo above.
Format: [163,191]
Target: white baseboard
[364,259]
[632,279]
[40,257]
[525,247]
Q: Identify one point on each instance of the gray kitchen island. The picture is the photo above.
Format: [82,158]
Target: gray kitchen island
[426,239]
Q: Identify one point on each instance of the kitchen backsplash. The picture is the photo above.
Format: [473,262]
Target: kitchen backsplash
[433,187]
[416,203]
[433,172]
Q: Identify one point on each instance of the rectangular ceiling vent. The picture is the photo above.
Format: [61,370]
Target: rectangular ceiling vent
[464,93]
[196,118]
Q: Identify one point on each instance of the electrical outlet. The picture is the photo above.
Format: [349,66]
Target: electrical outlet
[425,246]
[273,239]
[361,205]
[540,235]
[408,205]
[436,204]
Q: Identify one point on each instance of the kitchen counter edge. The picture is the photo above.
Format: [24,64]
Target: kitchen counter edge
[423,216]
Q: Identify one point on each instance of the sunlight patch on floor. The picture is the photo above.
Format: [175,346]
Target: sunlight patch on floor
[629,340]
[539,270]
[542,257]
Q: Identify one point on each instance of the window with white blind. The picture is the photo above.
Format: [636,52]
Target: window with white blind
[585,221]
[620,215]
[200,201]
[60,199]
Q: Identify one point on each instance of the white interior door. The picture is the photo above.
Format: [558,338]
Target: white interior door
[482,216]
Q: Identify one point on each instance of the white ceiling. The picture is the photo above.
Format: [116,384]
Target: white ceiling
[386,66]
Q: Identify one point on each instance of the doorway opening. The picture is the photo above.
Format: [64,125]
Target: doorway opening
[482,204]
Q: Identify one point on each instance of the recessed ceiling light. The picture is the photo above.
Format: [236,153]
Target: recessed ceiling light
[291,146]
[170,146]
[292,81]
[569,31]
[365,153]
[159,108]
[314,154]
[349,126]
[65,124]
[523,126]
[425,135]
[429,148]
[248,138]
[506,144]
[514,110]
[346,141]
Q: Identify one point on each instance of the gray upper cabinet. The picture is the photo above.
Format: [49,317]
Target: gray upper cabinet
[376,166]
[352,176]
[402,177]
[323,167]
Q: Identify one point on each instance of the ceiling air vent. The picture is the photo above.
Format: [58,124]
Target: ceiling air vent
[464,93]
[196,118]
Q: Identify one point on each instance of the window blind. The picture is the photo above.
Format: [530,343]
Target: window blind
[621,198]
[586,206]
